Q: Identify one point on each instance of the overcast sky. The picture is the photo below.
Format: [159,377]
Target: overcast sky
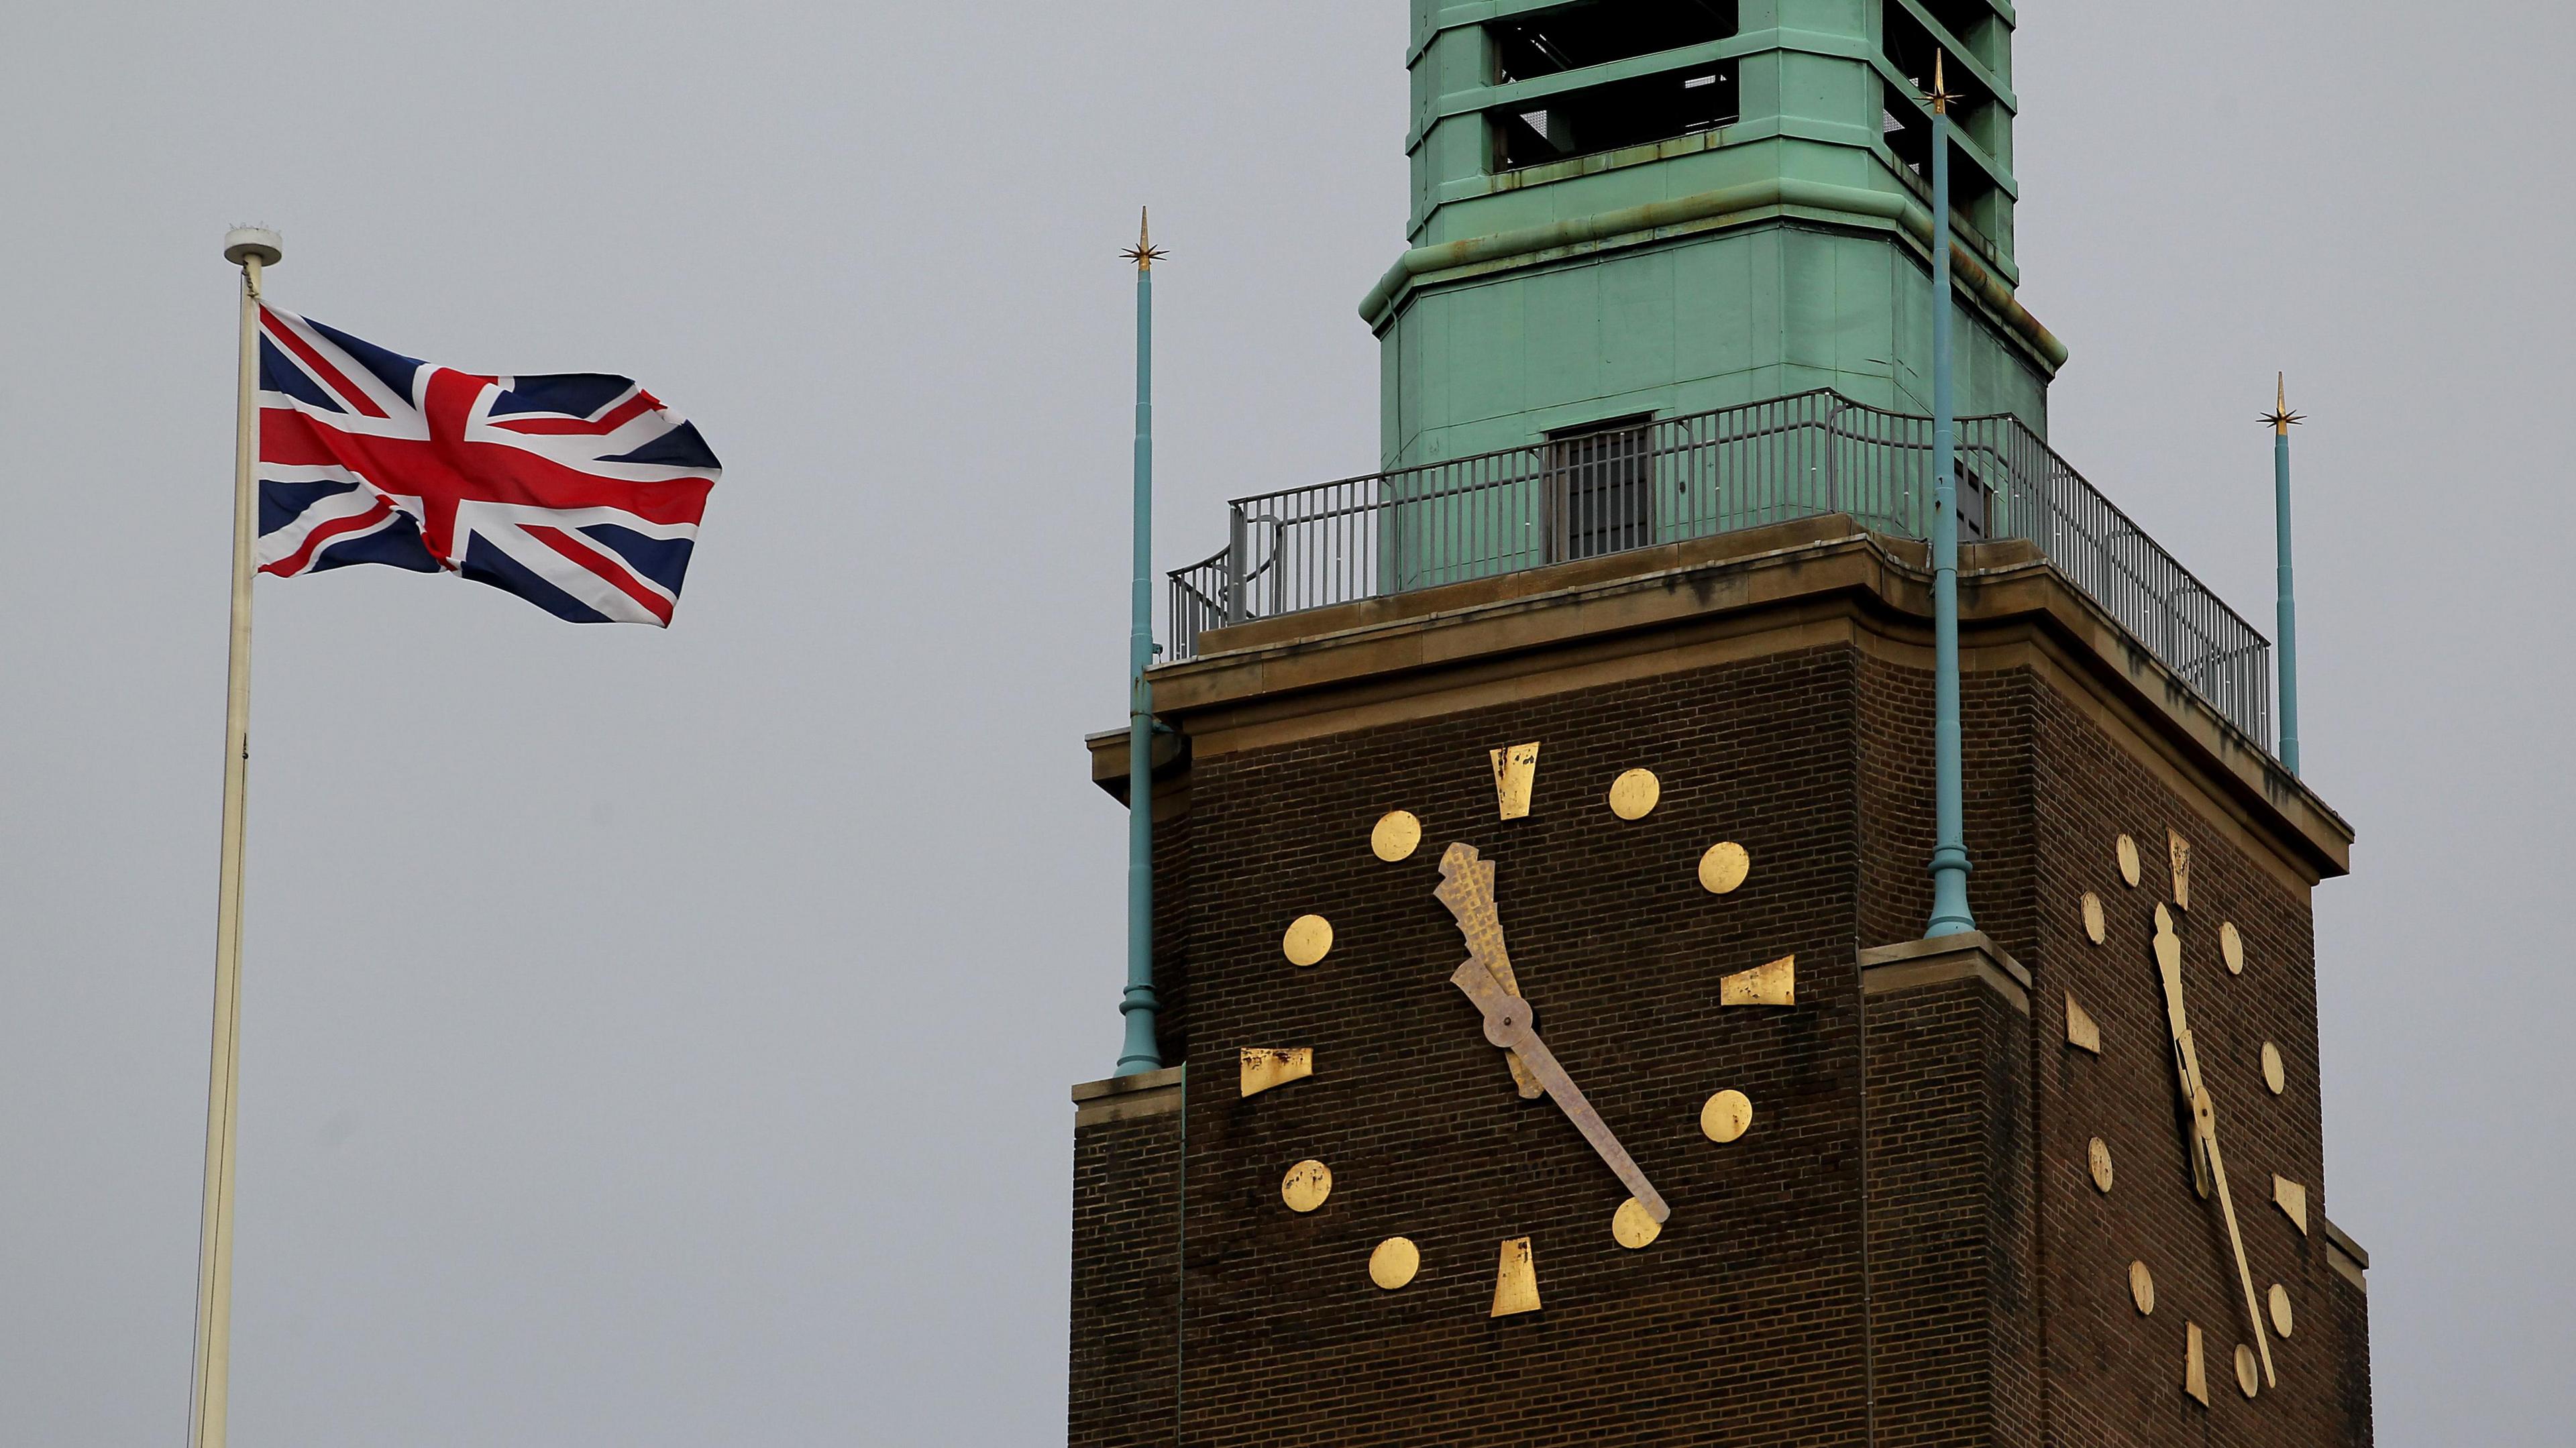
[662,1038]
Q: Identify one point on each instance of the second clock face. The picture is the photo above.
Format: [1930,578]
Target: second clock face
[1563,951]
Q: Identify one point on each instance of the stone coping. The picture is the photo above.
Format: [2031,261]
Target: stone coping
[1124,1098]
[1967,955]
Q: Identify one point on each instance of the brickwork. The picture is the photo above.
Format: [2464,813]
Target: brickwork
[1998,1274]
[1126,1279]
[1951,1218]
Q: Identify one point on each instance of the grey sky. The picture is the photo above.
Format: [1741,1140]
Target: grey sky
[663,1038]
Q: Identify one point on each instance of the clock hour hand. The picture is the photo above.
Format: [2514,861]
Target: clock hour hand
[1467,888]
[2186,1060]
[1507,1023]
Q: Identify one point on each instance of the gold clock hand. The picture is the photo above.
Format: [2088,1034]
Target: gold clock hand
[1507,1023]
[2208,1167]
[2186,1060]
[1467,888]
[2205,1117]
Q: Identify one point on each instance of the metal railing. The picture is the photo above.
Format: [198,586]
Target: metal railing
[1647,481]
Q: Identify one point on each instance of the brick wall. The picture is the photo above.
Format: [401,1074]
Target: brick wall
[1126,1276]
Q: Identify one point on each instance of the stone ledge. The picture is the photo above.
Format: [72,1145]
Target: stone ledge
[1965,956]
[2345,1256]
[1126,1098]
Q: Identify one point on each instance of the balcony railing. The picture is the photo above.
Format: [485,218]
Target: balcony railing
[1668,479]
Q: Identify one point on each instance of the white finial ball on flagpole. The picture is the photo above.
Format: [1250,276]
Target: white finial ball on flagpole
[243,243]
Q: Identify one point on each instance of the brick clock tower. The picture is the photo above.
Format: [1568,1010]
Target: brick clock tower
[1552,1053]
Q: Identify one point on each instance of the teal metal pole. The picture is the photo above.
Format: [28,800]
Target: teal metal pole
[2281,418]
[1140,1004]
[1949,810]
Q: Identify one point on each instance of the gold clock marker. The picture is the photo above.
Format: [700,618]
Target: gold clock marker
[1775,984]
[1515,1279]
[2099,1156]
[1633,1226]
[1634,793]
[2128,852]
[2142,1288]
[1309,937]
[1726,1116]
[1265,1067]
[2180,850]
[1515,775]
[1394,1263]
[2094,928]
[2279,1301]
[1724,867]
[1306,1185]
[2274,1075]
[2231,947]
[1396,835]
[2082,1032]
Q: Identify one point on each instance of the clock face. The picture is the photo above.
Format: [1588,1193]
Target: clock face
[1527,1020]
[2199,967]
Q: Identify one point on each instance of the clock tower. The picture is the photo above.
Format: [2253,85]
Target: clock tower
[1540,829]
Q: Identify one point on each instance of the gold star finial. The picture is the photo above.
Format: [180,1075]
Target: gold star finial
[1941,95]
[1144,253]
[2281,418]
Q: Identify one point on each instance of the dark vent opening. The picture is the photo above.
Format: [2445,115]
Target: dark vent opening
[1601,31]
[1615,116]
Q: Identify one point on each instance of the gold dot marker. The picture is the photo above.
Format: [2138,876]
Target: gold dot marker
[2142,1288]
[2245,1374]
[2274,1075]
[2278,1299]
[2129,861]
[1634,793]
[1394,1262]
[1727,1115]
[1396,835]
[1634,1227]
[2231,947]
[1724,867]
[2101,1159]
[1306,1185]
[2094,928]
[1308,937]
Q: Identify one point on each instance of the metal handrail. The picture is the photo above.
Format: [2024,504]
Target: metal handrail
[1694,476]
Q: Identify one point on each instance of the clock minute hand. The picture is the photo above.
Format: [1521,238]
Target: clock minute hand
[1507,1023]
[2208,1165]
[2204,1116]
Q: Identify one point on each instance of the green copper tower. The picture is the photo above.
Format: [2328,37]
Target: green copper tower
[1625,211]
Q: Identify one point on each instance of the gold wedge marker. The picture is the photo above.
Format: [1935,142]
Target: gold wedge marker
[1265,1067]
[1515,773]
[1775,984]
[1515,1279]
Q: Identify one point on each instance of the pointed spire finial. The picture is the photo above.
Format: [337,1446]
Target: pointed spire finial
[1941,95]
[2281,419]
[1144,253]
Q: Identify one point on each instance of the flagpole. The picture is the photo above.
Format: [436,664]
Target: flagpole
[249,248]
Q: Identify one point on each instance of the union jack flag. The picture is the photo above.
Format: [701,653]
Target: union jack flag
[577,491]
